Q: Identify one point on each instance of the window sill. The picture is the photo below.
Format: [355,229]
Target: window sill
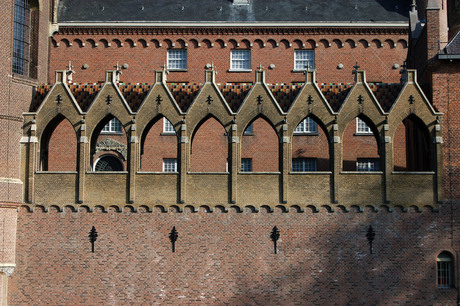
[178,70]
[363,134]
[21,79]
[361,172]
[311,172]
[240,70]
[306,134]
[257,173]
[299,71]
[157,172]
[168,134]
[111,133]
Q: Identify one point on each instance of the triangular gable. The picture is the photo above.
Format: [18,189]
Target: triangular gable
[58,100]
[310,88]
[361,100]
[209,101]
[260,101]
[109,100]
[157,102]
[412,100]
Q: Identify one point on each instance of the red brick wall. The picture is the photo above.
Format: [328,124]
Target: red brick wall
[399,148]
[312,146]
[446,94]
[347,49]
[62,149]
[227,258]
[209,151]
[262,147]
[354,147]
[156,147]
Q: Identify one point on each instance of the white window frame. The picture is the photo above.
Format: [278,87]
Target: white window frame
[246,165]
[114,126]
[168,128]
[302,57]
[368,164]
[240,60]
[306,126]
[304,165]
[362,128]
[177,59]
[169,164]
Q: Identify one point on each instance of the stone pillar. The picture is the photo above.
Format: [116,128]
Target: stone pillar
[387,159]
[235,141]
[437,161]
[336,162]
[31,160]
[82,161]
[285,141]
[184,164]
[133,163]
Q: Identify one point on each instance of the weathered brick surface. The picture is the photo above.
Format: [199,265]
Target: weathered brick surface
[220,258]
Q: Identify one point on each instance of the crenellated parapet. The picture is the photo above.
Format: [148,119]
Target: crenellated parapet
[88,107]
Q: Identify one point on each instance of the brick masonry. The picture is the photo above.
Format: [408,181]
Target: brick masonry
[224,254]
[227,258]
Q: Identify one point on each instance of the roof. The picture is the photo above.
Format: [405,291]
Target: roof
[453,47]
[224,11]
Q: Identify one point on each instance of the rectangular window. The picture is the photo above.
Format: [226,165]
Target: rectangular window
[302,58]
[306,126]
[114,126]
[246,165]
[168,128]
[240,60]
[368,164]
[21,37]
[303,164]
[169,164]
[362,127]
[177,59]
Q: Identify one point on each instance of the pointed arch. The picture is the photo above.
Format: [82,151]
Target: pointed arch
[260,149]
[412,147]
[209,146]
[158,146]
[58,149]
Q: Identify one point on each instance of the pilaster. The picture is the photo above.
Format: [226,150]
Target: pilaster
[82,161]
[184,158]
[438,165]
[133,162]
[285,143]
[336,162]
[387,162]
[235,141]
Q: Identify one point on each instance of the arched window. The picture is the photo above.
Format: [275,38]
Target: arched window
[108,163]
[21,38]
[445,270]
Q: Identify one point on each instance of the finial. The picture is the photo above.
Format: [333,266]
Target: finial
[69,72]
[260,67]
[356,66]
